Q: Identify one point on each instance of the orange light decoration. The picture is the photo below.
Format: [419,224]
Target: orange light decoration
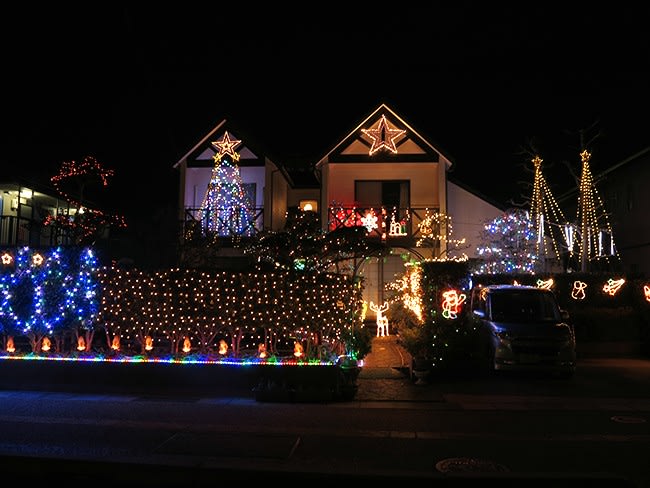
[46,345]
[226,145]
[451,303]
[546,284]
[578,291]
[409,288]
[7,259]
[383,136]
[223,347]
[187,345]
[10,344]
[546,215]
[81,344]
[148,343]
[37,259]
[261,351]
[297,349]
[596,235]
[646,292]
[612,286]
[115,345]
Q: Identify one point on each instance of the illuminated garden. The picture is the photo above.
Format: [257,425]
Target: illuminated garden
[301,304]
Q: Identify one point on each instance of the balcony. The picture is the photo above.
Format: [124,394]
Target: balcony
[400,227]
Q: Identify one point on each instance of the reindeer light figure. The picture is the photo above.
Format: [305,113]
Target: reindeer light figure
[382,320]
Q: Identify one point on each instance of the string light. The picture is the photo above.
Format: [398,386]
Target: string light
[383,136]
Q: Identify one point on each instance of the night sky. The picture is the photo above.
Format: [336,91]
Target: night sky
[137,88]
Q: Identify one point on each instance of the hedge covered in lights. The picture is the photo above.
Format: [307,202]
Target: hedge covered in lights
[63,297]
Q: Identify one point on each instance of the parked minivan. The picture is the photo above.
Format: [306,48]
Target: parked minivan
[522,328]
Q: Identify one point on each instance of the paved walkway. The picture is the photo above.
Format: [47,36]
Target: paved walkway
[385,376]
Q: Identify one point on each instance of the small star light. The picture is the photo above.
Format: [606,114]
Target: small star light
[226,146]
[7,258]
[383,136]
[37,259]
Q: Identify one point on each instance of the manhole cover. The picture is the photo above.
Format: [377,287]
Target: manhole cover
[628,420]
[465,465]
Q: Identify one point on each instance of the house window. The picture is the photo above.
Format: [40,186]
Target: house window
[387,194]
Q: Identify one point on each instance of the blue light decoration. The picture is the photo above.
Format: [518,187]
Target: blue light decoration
[226,210]
[43,294]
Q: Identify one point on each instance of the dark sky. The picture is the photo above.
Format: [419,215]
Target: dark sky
[136,87]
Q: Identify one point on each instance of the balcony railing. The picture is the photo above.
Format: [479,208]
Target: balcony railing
[20,231]
[404,226]
[411,226]
[221,224]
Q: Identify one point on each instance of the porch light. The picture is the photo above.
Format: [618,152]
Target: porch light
[308,205]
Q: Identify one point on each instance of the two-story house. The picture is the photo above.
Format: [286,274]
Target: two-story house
[384,176]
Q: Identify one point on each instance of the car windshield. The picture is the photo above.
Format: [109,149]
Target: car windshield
[524,307]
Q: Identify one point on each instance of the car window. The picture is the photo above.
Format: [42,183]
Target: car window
[523,307]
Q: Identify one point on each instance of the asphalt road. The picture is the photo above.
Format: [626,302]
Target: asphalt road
[502,430]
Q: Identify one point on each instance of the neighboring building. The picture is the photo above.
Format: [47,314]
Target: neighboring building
[383,175]
[24,207]
[623,189]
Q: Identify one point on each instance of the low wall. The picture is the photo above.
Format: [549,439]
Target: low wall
[263,382]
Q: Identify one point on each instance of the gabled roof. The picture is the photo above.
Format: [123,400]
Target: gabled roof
[383,135]
[202,154]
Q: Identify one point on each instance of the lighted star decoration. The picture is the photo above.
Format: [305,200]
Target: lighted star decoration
[646,292]
[383,136]
[226,146]
[37,259]
[7,258]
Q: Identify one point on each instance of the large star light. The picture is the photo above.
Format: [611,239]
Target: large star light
[226,146]
[383,136]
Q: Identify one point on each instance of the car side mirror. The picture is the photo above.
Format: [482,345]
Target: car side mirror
[480,314]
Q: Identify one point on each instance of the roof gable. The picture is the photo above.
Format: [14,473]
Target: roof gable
[383,136]
[204,151]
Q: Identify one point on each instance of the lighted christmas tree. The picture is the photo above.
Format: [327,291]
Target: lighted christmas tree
[547,217]
[508,244]
[226,210]
[596,239]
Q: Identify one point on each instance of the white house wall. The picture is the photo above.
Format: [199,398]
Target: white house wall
[468,213]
